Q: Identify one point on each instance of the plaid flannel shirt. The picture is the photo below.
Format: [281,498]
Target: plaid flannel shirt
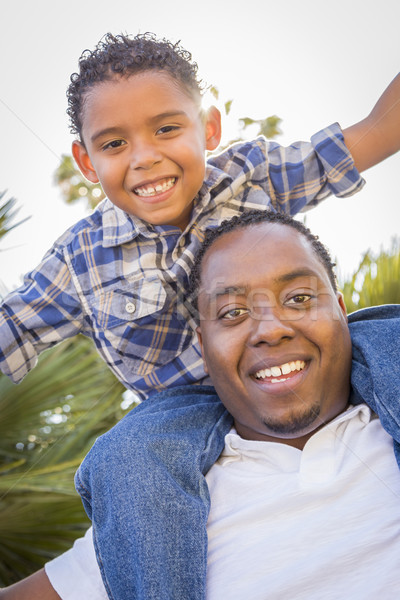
[123,282]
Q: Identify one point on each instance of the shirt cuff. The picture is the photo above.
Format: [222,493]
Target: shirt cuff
[342,177]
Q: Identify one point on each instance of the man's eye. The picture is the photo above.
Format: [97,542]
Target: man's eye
[167,129]
[233,313]
[299,299]
[114,144]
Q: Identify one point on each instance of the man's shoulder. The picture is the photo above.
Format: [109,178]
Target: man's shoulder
[184,395]
[382,312]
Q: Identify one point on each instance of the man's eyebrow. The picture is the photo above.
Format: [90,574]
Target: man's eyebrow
[242,290]
[296,274]
[235,290]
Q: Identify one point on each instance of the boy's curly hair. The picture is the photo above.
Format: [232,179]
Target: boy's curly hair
[124,55]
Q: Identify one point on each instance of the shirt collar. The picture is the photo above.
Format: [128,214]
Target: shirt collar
[235,445]
[119,227]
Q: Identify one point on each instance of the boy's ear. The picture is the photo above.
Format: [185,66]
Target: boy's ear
[200,340]
[83,161]
[213,128]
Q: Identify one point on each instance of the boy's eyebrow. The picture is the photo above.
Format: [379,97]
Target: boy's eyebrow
[159,117]
[106,131]
[168,114]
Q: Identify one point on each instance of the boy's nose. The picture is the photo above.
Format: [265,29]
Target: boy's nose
[269,327]
[144,156]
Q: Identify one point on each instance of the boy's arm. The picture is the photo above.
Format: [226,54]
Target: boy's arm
[377,136]
[45,310]
[34,587]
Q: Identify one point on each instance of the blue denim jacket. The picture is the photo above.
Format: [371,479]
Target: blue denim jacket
[143,483]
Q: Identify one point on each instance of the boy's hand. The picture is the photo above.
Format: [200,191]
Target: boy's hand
[377,136]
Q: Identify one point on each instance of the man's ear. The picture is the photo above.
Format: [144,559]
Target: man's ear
[213,128]
[83,161]
[200,340]
[342,305]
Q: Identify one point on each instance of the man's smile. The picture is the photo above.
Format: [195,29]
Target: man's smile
[279,371]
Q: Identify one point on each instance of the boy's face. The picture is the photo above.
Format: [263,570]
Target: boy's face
[145,141]
[274,333]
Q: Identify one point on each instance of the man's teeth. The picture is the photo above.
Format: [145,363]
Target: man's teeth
[285,369]
[152,190]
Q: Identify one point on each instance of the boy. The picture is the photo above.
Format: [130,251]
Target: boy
[120,276]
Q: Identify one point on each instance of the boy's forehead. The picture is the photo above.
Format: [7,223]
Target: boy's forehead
[147,92]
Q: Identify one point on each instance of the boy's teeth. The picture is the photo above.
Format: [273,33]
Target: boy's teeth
[152,190]
[285,369]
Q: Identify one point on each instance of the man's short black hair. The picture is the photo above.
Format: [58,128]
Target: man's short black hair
[124,55]
[247,219]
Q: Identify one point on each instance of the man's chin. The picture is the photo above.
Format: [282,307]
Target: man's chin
[296,424]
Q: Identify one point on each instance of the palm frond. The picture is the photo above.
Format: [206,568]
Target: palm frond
[49,422]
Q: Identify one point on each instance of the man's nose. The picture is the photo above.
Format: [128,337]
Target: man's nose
[269,327]
[144,155]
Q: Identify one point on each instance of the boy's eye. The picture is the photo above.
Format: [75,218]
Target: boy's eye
[233,313]
[167,129]
[113,144]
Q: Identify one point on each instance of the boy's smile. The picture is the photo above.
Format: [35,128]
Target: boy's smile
[145,141]
[271,319]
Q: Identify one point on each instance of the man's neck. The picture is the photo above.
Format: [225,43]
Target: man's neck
[295,441]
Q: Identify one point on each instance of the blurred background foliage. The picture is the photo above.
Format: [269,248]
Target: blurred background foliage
[50,420]
[48,423]
[73,186]
[8,212]
[376,281]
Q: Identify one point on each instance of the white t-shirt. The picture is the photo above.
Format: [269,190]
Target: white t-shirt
[317,524]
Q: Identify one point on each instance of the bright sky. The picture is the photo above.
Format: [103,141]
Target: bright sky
[308,63]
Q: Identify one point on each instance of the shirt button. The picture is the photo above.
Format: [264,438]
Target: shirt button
[182,243]
[130,307]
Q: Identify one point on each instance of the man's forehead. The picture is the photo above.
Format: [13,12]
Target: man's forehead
[272,250]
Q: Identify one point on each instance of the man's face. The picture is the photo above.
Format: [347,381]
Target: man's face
[145,141]
[273,333]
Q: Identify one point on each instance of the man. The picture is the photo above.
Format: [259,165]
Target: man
[275,340]
[305,495]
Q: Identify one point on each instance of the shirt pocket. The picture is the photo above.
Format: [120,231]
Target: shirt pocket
[139,323]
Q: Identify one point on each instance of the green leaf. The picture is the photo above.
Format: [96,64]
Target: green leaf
[246,121]
[227,107]
[214,91]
